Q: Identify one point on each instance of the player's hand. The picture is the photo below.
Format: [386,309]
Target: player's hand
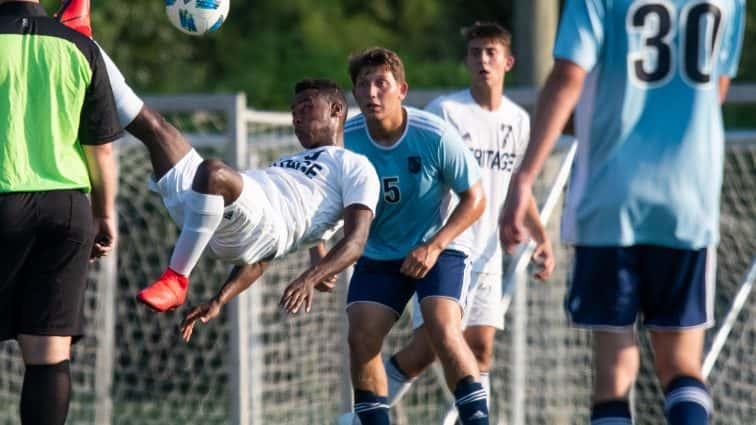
[204,313]
[512,230]
[419,262]
[105,237]
[297,295]
[543,258]
[326,285]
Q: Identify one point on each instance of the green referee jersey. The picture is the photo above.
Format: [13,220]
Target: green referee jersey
[54,97]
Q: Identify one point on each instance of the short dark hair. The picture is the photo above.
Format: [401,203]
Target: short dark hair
[376,56]
[329,89]
[488,31]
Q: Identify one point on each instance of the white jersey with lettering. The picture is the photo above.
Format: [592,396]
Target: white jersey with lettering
[310,189]
[293,203]
[498,140]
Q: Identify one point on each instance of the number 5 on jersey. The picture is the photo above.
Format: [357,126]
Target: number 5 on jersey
[391,193]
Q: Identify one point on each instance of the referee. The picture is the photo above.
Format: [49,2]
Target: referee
[57,119]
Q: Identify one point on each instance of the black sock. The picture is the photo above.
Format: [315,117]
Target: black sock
[46,394]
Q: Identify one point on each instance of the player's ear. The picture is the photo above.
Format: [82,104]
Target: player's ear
[403,88]
[509,62]
[337,109]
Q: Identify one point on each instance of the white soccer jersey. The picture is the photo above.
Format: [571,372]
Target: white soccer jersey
[498,140]
[310,189]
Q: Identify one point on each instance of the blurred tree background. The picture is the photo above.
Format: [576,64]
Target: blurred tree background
[267,45]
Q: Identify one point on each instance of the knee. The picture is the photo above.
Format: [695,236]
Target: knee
[213,176]
[443,335]
[364,343]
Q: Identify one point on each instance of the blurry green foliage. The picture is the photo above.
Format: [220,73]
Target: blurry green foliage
[267,45]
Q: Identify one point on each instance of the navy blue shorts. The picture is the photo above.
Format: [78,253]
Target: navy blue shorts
[379,282]
[669,288]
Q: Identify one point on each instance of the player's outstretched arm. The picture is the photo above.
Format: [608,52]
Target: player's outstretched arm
[555,104]
[298,294]
[543,256]
[241,278]
[472,203]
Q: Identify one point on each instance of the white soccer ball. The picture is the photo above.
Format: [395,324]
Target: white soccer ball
[197,17]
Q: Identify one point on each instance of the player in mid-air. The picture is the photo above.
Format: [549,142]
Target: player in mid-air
[250,218]
[497,131]
[643,204]
[419,158]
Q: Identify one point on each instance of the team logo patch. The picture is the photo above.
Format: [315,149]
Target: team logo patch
[414,164]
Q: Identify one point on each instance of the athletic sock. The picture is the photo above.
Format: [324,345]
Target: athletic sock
[202,216]
[485,381]
[471,402]
[45,394]
[398,382]
[372,409]
[613,412]
[687,401]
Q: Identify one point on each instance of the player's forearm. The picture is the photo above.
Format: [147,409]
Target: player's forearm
[555,104]
[103,178]
[534,224]
[241,278]
[472,203]
[342,255]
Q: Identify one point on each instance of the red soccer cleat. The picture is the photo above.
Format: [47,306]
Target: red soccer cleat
[167,293]
[75,15]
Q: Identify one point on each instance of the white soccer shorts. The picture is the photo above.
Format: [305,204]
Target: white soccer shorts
[128,104]
[250,230]
[483,307]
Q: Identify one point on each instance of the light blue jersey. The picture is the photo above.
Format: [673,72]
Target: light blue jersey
[649,124]
[415,173]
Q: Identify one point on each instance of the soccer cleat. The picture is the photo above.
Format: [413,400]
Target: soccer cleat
[167,293]
[75,15]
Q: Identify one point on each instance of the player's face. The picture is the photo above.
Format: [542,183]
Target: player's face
[488,61]
[313,119]
[378,94]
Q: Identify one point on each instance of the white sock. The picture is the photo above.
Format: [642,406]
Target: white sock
[398,383]
[485,381]
[202,216]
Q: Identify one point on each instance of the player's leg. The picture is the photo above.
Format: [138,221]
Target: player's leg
[484,315]
[480,339]
[442,294]
[677,308]
[164,142]
[50,304]
[368,326]
[408,363]
[377,296]
[604,296]
[214,186]
[616,360]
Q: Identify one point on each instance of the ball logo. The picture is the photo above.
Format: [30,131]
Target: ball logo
[187,20]
[208,4]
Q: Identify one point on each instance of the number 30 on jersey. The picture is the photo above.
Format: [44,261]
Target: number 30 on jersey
[656,57]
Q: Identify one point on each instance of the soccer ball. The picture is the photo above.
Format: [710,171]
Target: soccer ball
[197,17]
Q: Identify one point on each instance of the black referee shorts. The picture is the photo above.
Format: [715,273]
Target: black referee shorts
[45,242]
